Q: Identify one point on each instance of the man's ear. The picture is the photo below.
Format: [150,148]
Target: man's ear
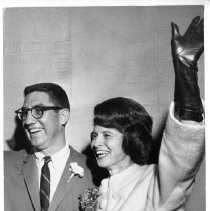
[64,116]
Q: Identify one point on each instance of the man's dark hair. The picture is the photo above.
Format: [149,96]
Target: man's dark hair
[56,93]
[131,119]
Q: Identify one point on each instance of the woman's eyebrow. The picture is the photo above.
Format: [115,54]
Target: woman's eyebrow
[106,131]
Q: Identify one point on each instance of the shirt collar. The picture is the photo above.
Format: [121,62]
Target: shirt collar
[56,158]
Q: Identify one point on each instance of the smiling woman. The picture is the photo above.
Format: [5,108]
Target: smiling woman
[121,139]
[121,135]
[107,146]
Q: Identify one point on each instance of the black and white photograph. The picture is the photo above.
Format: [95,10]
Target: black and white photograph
[104,108]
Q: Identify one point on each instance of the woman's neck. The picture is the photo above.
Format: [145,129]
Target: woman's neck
[121,166]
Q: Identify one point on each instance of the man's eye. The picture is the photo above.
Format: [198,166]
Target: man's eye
[38,110]
[24,112]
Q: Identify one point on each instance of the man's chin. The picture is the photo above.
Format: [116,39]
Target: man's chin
[35,143]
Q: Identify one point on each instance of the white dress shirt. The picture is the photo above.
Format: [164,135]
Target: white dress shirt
[56,166]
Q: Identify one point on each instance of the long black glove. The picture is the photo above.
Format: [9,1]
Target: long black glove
[186,50]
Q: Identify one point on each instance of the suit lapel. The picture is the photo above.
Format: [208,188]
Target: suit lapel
[30,174]
[64,184]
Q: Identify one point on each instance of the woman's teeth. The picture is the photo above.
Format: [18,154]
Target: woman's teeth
[101,153]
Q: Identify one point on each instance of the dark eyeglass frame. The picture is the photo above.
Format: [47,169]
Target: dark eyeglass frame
[23,112]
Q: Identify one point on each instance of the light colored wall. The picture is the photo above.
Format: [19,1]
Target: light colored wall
[95,53]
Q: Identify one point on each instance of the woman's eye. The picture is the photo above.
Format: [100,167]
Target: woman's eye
[93,136]
[107,135]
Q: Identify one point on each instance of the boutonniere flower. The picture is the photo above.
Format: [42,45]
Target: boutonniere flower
[75,169]
[88,199]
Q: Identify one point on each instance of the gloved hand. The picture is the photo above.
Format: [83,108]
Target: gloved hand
[186,50]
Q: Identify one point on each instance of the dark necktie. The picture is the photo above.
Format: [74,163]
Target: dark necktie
[45,185]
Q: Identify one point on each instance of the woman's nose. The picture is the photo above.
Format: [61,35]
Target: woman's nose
[97,141]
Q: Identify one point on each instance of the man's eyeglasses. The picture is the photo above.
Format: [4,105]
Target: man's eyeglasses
[37,111]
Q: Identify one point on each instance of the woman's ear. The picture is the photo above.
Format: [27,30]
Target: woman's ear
[64,116]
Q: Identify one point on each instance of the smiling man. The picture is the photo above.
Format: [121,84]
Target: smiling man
[41,181]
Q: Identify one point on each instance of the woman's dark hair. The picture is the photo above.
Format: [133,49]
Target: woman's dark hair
[131,119]
[56,93]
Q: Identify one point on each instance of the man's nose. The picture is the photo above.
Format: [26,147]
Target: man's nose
[29,119]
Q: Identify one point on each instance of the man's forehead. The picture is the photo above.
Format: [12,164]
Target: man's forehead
[37,98]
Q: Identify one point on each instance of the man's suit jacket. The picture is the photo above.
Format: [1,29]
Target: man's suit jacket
[21,188]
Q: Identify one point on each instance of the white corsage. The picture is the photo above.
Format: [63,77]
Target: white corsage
[75,169]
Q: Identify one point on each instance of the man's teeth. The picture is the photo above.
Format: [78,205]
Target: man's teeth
[101,153]
[34,130]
